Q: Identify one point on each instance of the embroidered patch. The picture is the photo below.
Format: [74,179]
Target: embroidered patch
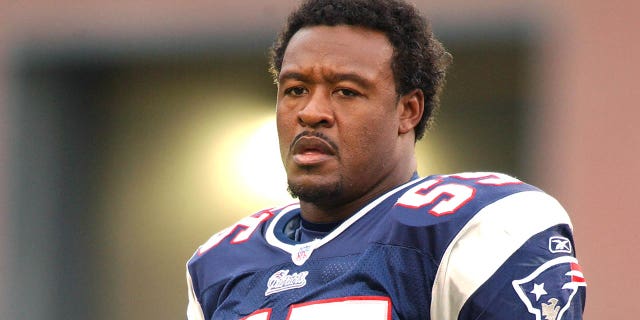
[548,291]
[559,245]
[282,281]
[302,252]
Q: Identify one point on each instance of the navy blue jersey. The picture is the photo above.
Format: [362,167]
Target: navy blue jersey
[465,246]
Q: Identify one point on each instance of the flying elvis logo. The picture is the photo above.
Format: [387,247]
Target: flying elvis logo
[282,281]
[545,296]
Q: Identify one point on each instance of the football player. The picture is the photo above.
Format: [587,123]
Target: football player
[357,84]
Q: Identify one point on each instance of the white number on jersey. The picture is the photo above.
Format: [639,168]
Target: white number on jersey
[449,197]
[373,308]
[249,224]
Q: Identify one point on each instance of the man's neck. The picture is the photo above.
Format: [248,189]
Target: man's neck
[335,210]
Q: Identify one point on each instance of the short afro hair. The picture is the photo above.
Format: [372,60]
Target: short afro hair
[419,60]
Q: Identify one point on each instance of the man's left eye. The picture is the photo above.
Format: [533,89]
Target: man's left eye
[347,92]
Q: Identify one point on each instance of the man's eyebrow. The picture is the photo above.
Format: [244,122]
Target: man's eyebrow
[332,78]
[289,75]
[359,80]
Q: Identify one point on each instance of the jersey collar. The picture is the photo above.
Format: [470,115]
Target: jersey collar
[300,252]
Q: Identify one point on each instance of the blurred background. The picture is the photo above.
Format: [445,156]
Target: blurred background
[131,131]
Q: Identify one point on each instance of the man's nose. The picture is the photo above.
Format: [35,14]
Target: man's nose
[317,112]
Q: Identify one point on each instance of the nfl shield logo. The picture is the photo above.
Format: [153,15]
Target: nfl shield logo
[548,291]
[301,253]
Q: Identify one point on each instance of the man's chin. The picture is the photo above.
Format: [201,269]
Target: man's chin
[315,193]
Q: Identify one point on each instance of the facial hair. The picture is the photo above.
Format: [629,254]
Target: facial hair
[317,194]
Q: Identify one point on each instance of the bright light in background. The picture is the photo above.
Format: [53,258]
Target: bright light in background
[246,172]
[258,163]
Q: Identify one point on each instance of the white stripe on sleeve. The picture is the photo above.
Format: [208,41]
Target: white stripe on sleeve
[194,310]
[486,242]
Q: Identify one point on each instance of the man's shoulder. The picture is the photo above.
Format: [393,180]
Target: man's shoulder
[433,211]
[238,242]
[443,198]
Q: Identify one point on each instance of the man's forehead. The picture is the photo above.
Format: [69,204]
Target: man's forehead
[340,49]
[341,34]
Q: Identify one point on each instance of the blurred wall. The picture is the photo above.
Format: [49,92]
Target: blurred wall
[582,143]
[588,142]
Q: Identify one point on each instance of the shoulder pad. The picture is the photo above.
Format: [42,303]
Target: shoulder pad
[459,196]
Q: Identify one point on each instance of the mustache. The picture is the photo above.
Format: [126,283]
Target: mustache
[316,134]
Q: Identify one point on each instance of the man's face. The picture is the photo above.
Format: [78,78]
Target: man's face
[337,113]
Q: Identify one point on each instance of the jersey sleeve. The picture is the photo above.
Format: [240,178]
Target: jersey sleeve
[514,259]
[219,259]
[194,310]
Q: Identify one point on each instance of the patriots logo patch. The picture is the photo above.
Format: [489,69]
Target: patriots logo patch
[548,291]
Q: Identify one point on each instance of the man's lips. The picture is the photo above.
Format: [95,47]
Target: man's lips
[311,149]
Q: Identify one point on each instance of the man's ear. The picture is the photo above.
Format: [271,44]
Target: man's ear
[410,110]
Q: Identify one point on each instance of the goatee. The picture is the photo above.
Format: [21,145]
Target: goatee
[317,193]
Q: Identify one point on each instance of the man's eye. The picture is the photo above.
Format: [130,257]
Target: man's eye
[347,93]
[295,91]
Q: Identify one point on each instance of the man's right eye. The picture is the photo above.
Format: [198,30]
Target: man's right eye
[295,91]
